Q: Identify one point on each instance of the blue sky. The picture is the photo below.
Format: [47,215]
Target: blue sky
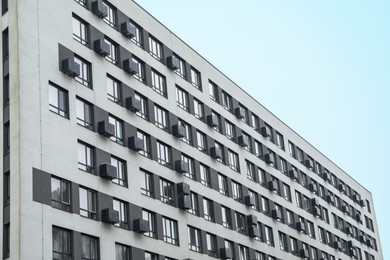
[322,67]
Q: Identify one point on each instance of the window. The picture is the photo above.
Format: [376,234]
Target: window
[227,102]
[269,237]
[6,139]
[250,170]
[218,126]
[299,155]
[6,90]
[286,191]
[264,205]
[253,194]
[321,235]
[146,183]
[204,172]
[146,141]
[138,34]
[118,124]
[161,118]
[181,71]
[114,90]
[140,74]
[158,83]
[220,146]
[5,44]
[84,77]
[293,245]
[151,218]
[194,239]
[240,223]
[258,149]
[87,202]
[58,100]
[113,55]
[89,247]
[226,217]
[81,2]
[306,203]
[243,253]
[298,199]
[283,241]
[201,141]
[269,130]
[6,189]
[237,191]
[194,210]
[188,133]
[155,48]
[255,121]
[110,19]
[166,188]
[229,246]
[163,154]
[198,109]
[190,162]
[325,215]
[121,171]
[279,140]
[230,130]
[291,149]
[310,229]
[283,165]
[182,98]
[213,88]
[211,244]
[84,113]
[233,160]
[122,252]
[170,231]
[143,113]
[249,138]
[86,157]
[259,255]
[80,30]
[122,208]
[208,210]
[195,78]
[222,184]
[150,256]
[60,193]
[62,244]
[290,218]
[246,114]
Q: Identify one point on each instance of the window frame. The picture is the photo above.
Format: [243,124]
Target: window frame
[58,100]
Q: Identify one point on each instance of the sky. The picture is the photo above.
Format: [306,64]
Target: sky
[322,67]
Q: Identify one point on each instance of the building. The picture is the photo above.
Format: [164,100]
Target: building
[121,142]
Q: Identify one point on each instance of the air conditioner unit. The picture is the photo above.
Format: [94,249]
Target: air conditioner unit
[70,67]
[315,202]
[309,164]
[301,226]
[337,245]
[369,242]
[108,171]
[101,47]
[140,225]
[313,187]
[133,104]
[326,176]
[128,30]
[250,201]
[353,252]
[225,253]
[293,174]
[273,186]
[183,188]
[135,143]
[362,238]
[266,132]
[99,9]
[349,231]
[276,214]
[130,66]
[239,112]
[269,158]
[215,152]
[106,129]
[342,187]
[356,197]
[254,232]
[251,220]
[345,209]
[304,253]
[181,166]
[243,141]
[362,203]
[179,131]
[184,202]
[212,120]
[173,63]
[330,199]
[317,211]
[358,217]
[110,216]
